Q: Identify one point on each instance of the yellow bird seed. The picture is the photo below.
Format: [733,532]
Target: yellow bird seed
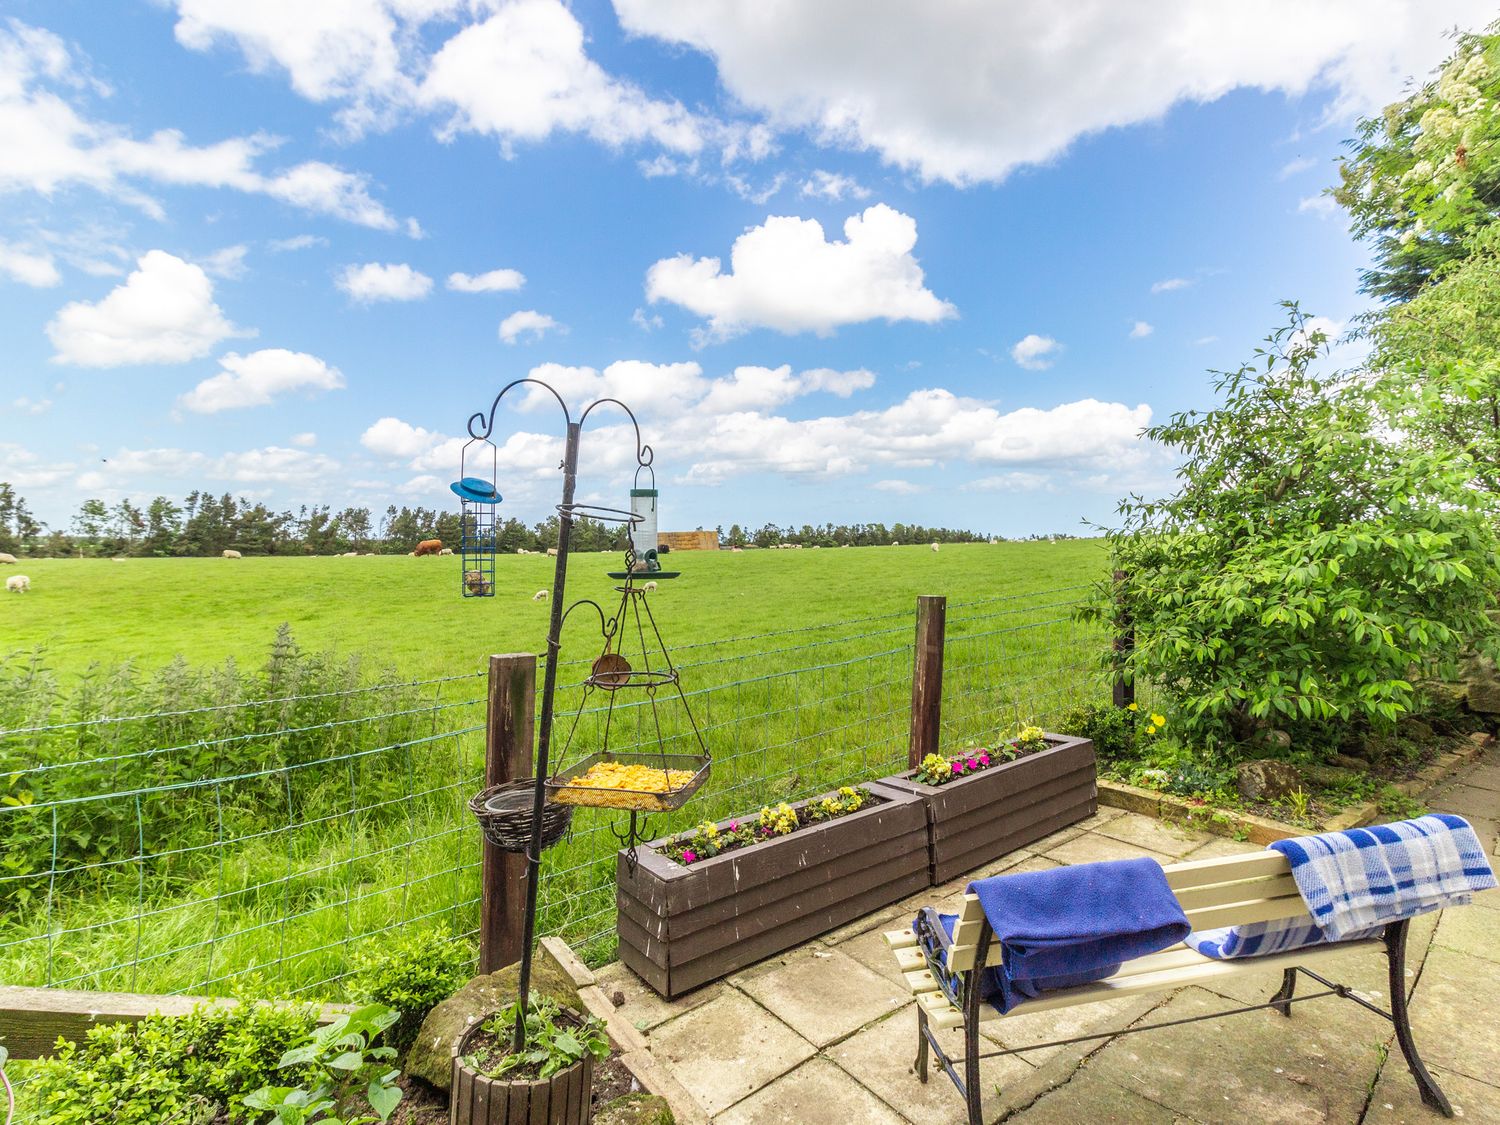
[619,786]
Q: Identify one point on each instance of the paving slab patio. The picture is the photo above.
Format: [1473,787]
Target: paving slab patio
[826,1033]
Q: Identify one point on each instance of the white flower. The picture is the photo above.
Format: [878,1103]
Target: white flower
[1407,237]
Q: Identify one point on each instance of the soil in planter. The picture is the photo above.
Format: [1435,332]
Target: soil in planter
[611,1078]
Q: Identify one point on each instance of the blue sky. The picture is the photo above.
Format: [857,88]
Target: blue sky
[285,249]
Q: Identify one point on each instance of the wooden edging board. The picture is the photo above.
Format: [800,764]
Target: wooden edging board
[32,1019]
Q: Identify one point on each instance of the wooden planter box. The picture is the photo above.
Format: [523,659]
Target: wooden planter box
[987,814]
[564,1099]
[681,927]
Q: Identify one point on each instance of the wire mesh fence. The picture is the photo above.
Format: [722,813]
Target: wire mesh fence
[263,842]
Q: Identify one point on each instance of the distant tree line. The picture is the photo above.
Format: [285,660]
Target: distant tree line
[204,524]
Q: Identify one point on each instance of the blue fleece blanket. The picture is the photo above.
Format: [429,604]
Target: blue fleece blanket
[1369,876]
[1072,925]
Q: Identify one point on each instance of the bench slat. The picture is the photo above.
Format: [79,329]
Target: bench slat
[1219,894]
[1242,913]
[899,939]
[921,982]
[1226,869]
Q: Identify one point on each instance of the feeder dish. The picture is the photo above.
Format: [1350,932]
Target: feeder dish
[477,489]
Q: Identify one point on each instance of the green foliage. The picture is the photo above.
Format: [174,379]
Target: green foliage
[1309,559]
[552,1043]
[708,839]
[1111,729]
[411,973]
[340,1072]
[190,1066]
[1424,176]
[1445,343]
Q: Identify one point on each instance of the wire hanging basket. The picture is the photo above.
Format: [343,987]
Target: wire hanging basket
[506,815]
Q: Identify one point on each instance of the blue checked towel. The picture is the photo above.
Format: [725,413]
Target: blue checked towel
[1366,877]
[1257,939]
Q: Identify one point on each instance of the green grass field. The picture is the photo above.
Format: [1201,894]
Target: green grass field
[407,613]
[270,844]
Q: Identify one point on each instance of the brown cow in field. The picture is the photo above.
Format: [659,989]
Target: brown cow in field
[428,547]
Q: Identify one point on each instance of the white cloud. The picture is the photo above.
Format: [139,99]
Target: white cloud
[49,143]
[396,440]
[1018,481]
[1319,205]
[164,312]
[24,469]
[1140,330]
[786,275]
[1167,285]
[305,440]
[228,263]
[376,282]
[1296,167]
[1035,353]
[899,487]
[26,405]
[256,379]
[29,267]
[495,281]
[833,186]
[297,242]
[646,323]
[518,324]
[271,464]
[966,92]
[522,74]
[1201,340]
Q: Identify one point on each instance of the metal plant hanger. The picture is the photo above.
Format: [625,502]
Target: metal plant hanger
[611,672]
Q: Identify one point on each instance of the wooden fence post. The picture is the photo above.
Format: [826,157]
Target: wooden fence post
[508,744]
[1124,687]
[927,679]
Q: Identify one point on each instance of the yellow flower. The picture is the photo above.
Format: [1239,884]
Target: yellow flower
[1132,707]
[1159,720]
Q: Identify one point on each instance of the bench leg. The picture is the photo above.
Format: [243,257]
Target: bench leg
[1395,950]
[920,1066]
[1281,1001]
[971,1070]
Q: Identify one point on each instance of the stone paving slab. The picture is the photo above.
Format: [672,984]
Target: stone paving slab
[818,1092]
[1395,1100]
[795,987]
[1475,932]
[1453,1014]
[639,1003]
[1091,1099]
[725,1050]
[1254,1068]
[1164,839]
[1094,847]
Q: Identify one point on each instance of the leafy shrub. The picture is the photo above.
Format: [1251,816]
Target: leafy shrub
[168,1067]
[412,974]
[1310,557]
[1111,729]
[340,1072]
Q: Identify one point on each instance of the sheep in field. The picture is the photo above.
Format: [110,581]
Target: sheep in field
[7,558]
[446,551]
[649,586]
[18,583]
[475,581]
[233,555]
[539,596]
[934,548]
[428,547]
[552,552]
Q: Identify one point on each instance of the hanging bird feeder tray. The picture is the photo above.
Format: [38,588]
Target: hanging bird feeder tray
[628,776]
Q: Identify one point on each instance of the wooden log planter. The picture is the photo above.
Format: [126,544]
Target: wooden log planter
[564,1099]
[975,819]
[681,927]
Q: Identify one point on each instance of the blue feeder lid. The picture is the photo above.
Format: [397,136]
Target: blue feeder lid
[476,489]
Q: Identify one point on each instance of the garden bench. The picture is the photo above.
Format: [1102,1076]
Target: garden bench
[1228,891]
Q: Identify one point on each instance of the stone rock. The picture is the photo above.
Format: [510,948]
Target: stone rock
[1481,738]
[635,1109]
[1330,777]
[1267,779]
[1353,765]
[1416,730]
[1482,684]
[430,1056]
[1441,696]
[1273,740]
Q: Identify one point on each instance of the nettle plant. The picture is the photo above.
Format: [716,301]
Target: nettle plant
[553,1043]
[341,1072]
[1311,558]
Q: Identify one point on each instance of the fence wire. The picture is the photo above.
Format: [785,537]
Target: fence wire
[265,843]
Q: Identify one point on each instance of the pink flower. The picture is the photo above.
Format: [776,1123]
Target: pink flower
[973,765]
[689,856]
[734,826]
[958,768]
[984,759]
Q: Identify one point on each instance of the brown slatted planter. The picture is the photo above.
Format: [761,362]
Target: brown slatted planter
[564,1099]
[985,815]
[681,927]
